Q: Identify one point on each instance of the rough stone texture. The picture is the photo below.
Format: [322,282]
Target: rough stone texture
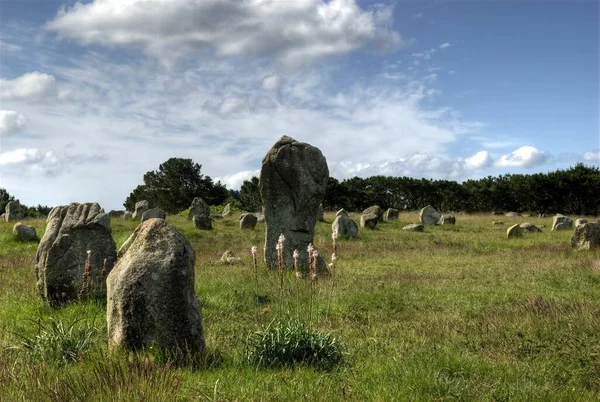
[127,216]
[320,213]
[447,220]
[529,227]
[495,223]
[344,225]
[561,222]
[369,220]
[13,211]
[513,214]
[391,214]
[140,208]
[198,207]
[429,216]
[24,232]
[580,221]
[292,184]
[375,209]
[226,210]
[514,231]
[151,299]
[202,222]
[586,236]
[153,213]
[341,212]
[414,227]
[71,231]
[248,221]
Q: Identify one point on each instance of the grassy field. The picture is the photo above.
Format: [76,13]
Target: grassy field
[454,313]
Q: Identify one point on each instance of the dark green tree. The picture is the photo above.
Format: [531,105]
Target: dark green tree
[5,198]
[250,195]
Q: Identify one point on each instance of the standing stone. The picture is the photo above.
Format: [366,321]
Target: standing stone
[151,299]
[341,212]
[292,184]
[561,222]
[580,221]
[414,227]
[529,227]
[140,208]
[71,231]
[447,220]
[429,216]
[586,236]
[375,209]
[226,210]
[202,222]
[514,231]
[344,226]
[392,214]
[248,221]
[198,207]
[369,220]
[24,232]
[320,213]
[127,216]
[154,213]
[13,211]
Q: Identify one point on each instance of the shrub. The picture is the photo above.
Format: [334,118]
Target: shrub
[286,343]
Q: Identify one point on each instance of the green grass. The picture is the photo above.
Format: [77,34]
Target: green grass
[454,313]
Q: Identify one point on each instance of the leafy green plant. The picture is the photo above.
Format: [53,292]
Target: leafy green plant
[289,342]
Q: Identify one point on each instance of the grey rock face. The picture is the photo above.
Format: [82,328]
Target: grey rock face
[514,231]
[341,212]
[414,227]
[528,227]
[202,222]
[447,220]
[226,210]
[71,231]
[429,216]
[580,221]
[153,213]
[391,214]
[140,208]
[292,184]
[375,209]
[151,299]
[198,207]
[127,216]
[248,221]
[561,222]
[369,220]
[13,211]
[24,232]
[586,236]
[344,226]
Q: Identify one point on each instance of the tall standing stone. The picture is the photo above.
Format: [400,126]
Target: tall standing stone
[344,226]
[151,299]
[375,209]
[561,222]
[140,208]
[586,236]
[13,211]
[391,214]
[71,231]
[226,210]
[199,207]
[292,184]
[429,216]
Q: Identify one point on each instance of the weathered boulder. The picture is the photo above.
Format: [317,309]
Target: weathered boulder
[292,184]
[151,299]
[320,213]
[127,216]
[429,216]
[391,214]
[586,236]
[198,207]
[248,221]
[344,226]
[414,227]
[226,210]
[513,214]
[528,227]
[13,211]
[24,232]
[153,213]
[140,208]
[369,220]
[580,221]
[375,209]
[447,220]
[561,222]
[62,254]
[202,222]
[514,231]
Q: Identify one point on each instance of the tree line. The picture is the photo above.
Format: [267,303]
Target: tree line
[38,211]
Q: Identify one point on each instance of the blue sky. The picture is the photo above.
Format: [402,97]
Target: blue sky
[95,94]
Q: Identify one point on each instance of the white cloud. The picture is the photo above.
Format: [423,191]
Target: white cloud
[11,122]
[524,157]
[293,32]
[272,82]
[480,160]
[30,86]
[44,162]
[592,156]
[445,45]
[235,181]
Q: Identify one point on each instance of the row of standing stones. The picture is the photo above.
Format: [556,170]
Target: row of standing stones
[149,284]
